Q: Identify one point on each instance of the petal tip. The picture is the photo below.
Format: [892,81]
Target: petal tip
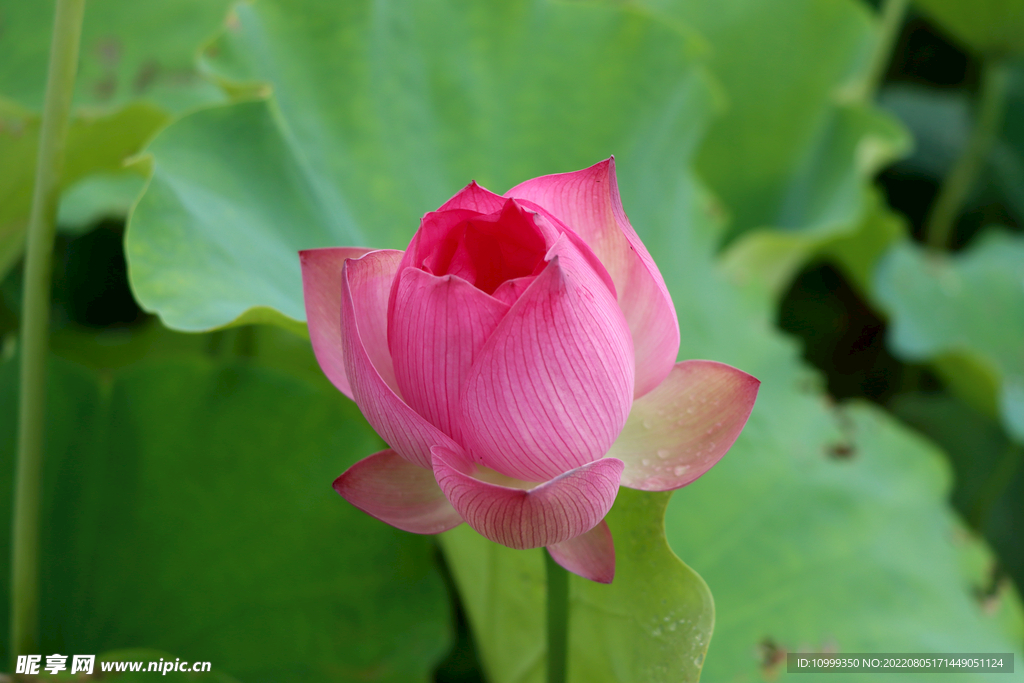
[590,555]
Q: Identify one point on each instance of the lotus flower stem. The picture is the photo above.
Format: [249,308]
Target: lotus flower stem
[67,31]
[890,21]
[958,183]
[558,619]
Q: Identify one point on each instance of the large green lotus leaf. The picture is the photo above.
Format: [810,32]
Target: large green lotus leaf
[188,508]
[854,547]
[797,147]
[820,528]
[995,27]
[379,113]
[968,305]
[652,623]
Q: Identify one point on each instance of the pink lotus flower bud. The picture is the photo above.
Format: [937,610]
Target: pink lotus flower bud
[519,359]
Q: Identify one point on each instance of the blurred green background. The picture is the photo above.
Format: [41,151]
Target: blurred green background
[782,160]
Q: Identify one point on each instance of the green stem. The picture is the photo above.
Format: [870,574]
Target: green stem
[957,185]
[890,21]
[67,30]
[558,619]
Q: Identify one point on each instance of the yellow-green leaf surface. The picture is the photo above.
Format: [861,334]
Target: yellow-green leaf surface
[188,508]
[653,623]
[968,305]
[994,27]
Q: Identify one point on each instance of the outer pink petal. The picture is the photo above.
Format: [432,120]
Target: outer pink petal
[552,387]
[588,202]
[474,198]
[321,289]
[438,326]
[366,284]
[678,431]
[563,508]
[395,491]
[590,555]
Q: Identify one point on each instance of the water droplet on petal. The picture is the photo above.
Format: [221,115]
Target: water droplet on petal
[680,470]
[646,462]
[664,453]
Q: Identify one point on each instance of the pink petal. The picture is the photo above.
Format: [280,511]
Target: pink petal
[590,555]
[321,289]
[366,284]
[678,431]
[588,202]
[474,198]
[438,326]
[553,386]
[555,511]
[395,491]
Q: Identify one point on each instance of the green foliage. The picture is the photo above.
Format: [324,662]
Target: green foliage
[188,508]
[994,27]
[96,197]
[355,143]
[188,504]
[136,68]
[838,528]
[989,474]
[840,512]
[130,52]
[1007,160]
[94,145]
[967,308]
[793,156]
